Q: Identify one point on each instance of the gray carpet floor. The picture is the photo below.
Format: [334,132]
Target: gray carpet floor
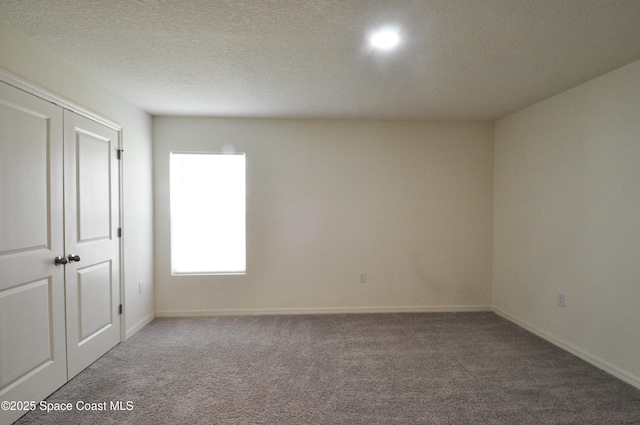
[444,368]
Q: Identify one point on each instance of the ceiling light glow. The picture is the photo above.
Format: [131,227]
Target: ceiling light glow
[384,39]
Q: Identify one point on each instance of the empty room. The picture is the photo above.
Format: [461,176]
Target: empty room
[320,212]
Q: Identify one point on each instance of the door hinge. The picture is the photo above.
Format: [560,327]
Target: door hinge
[119,232]
[119,153]
[120,309]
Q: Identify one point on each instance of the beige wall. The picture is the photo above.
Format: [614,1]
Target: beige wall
[22,57]
[409,203]
[567,219]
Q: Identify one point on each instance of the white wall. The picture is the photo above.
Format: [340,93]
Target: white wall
[22,57]
[567,219]
[407,202]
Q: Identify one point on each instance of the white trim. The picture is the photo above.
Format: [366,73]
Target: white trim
[138,326]
[42,93]
[123,329]
[589,358]
[323,310]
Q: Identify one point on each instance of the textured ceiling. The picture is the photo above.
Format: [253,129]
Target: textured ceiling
[459,59]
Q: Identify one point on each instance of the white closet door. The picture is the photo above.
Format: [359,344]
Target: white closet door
[92,217]
[32,311]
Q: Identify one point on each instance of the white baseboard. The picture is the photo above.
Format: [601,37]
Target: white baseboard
[589,358]
[141,324]
[324,310]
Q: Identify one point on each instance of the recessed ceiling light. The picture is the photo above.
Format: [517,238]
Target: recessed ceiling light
[384,39]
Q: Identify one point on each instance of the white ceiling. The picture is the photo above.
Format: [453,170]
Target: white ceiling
[459,59]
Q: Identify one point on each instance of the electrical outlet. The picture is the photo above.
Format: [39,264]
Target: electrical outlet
[560,299]
[363,277]
[139,288]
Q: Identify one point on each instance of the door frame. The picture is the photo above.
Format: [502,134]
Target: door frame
[44,94]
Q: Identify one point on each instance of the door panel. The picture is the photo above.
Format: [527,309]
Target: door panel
[94,286]
[26,308]
[92,204]
[32,309]
[23,152]
[93,185]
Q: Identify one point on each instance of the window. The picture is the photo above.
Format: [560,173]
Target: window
[208,231]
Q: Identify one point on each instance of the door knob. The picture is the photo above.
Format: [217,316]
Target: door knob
[72,257]
[58,261]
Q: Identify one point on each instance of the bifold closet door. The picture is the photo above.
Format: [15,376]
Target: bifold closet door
[33,360]
[91,241]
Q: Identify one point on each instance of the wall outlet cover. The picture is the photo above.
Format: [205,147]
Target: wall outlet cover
[560,299]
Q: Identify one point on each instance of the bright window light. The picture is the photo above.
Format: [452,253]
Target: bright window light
[384,39]
[208,224]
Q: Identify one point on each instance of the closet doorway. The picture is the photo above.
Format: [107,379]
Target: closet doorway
[59,245]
